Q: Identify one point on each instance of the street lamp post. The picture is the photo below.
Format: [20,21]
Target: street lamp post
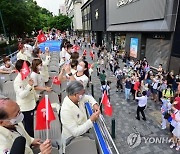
[7,42]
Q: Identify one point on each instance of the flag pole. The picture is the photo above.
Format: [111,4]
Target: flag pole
[47,116]
[102,99]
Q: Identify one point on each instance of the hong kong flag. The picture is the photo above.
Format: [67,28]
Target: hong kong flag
[44,114]
[41,38]
[108,110]
[25,70]
[56,80]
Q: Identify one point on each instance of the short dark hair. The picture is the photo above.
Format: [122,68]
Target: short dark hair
[74,63]
[144,93]
[19,64]
[35,63]
[35,52]
[69,46]
[5,59]
[75,55]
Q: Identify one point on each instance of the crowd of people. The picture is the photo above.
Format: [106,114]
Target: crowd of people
[139,80]
[29,91]
[135,79]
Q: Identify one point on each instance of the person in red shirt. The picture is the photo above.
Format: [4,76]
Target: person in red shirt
[136,86]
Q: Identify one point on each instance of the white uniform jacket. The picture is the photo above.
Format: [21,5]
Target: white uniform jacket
[22,56]
[74,119]
[44,71]
[25,94]
[7,138]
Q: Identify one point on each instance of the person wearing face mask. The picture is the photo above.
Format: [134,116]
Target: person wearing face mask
[26,98]
[39,83]
[80,76]
[11,128]
[45,61]
[67,53]
[73,113]
[21,54]
[8,67]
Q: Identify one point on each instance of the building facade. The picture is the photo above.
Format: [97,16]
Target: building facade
[146,28]
[62,9]
[73,10]
[94,21]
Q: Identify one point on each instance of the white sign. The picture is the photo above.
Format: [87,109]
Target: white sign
[124,2]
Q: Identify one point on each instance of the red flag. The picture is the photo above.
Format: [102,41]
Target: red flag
[89,66]
[84,53]
[107,106]
[56,80]
[91,54]
[44,112]
[41,38]
[25,70]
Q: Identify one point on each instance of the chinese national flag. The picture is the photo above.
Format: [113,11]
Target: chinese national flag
[44,114]
[107,106]
[56,80]
[41,38]
[25,70]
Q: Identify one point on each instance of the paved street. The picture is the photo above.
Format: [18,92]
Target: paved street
[124,114]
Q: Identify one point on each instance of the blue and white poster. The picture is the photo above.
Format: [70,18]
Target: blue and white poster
[134,47]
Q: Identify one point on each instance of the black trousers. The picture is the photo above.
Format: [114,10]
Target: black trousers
[29,122]
[141,109]
[18,145]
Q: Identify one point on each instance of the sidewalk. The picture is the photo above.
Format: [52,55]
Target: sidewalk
[124,113]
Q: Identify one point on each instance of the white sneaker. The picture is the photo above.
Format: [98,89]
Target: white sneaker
[172,145]
[177,148]
[163,127]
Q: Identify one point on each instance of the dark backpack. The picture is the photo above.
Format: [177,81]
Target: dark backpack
[171,92]
[104,89]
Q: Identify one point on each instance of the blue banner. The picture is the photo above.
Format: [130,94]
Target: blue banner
[53,45]
[98,132]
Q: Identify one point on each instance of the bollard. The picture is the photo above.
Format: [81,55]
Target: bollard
[113,128]
[92,90]
[97,72]
[100,105]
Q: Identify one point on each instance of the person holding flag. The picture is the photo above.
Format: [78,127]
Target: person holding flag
[108,110]
[41,37]
[11,129]
[73,113]
[44,115]
[25,95]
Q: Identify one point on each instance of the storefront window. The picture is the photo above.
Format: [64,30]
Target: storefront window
[120,41]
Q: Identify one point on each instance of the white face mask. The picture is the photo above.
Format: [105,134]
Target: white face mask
[79,68]
[9,63]
[17,120]
[81,97]
[39,68]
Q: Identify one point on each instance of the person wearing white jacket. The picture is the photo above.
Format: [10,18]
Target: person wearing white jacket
[26,98]
[37,54]
[73,113]
[45,62]
[11,128]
